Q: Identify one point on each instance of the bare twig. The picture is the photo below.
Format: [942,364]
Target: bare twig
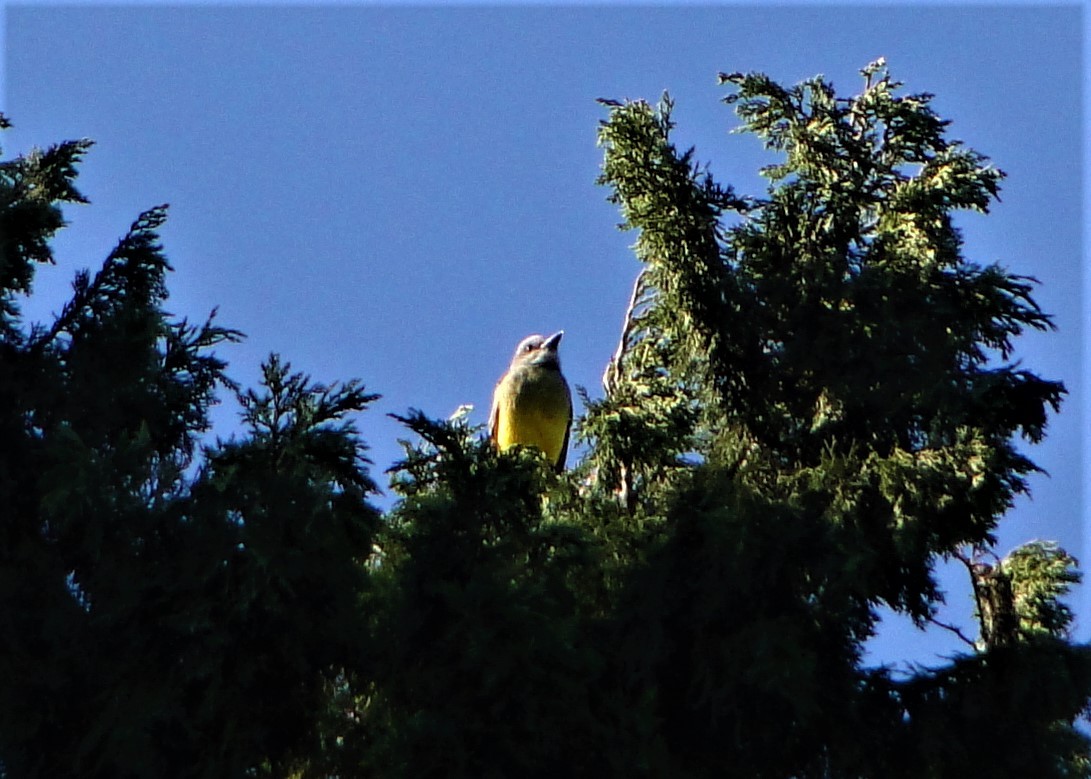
[954,630]
[612,375]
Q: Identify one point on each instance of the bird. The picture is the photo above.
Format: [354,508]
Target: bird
[532,404]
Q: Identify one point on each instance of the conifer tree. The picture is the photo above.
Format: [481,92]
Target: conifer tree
[836,384]
[482,668]
[164,611]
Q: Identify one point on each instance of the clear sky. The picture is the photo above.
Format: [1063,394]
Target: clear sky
[400,194]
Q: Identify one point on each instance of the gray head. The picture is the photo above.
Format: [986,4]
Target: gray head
[538,350]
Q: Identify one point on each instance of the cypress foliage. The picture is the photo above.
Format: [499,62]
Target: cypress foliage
[852,414]
[163,612]
[813,400]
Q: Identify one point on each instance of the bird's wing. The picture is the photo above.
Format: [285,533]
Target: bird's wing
[559,465]
[494,416]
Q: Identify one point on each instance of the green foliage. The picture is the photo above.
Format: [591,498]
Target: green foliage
[1020,597]
[164,612]
[1004,713]
[483,668]
[730,660]
[286,532]
[31,189]
[1042,573]
[814,398]
[835,320]
[844,365]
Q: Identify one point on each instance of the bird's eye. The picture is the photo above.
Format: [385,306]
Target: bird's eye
[528,347]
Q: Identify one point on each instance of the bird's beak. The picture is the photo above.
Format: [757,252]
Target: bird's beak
[551,342]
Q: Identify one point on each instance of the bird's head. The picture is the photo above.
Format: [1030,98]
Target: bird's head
[538,350]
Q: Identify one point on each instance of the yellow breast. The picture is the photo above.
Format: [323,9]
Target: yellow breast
[533,409]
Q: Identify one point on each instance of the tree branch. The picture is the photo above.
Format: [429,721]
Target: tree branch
[612,375]
[955,630]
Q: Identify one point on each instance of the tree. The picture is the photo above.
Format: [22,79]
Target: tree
[161,614]
[813,400]
[834,381]
[485,669]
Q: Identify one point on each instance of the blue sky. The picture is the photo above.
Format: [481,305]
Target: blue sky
[400,194]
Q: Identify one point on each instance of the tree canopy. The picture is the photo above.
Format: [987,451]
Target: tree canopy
[814,400]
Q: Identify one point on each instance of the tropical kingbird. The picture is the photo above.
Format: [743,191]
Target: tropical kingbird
[532,404]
